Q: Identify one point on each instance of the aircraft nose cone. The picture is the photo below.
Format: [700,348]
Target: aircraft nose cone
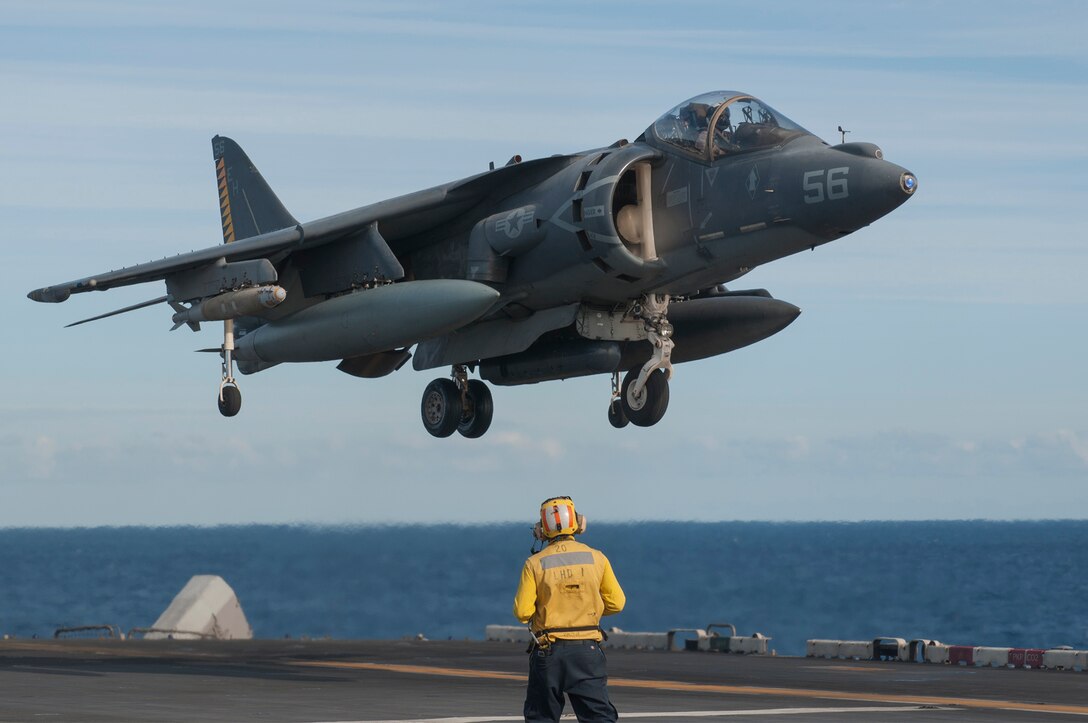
[852,193]
[908,182]
[889,185]
[882,188]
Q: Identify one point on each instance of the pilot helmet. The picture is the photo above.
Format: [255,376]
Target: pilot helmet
[557,518]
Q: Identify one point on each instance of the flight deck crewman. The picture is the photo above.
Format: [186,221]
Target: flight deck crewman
[564,590]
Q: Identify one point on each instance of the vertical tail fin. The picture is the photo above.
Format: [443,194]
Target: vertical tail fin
[247,204]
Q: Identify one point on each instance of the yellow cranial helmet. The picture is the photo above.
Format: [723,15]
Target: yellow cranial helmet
[558,517]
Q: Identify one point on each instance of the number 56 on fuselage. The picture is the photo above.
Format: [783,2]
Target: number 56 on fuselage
[611,261]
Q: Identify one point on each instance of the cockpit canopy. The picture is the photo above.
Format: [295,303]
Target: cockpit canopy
[722,123]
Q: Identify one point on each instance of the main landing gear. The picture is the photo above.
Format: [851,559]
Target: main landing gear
[458,404]
[230,397]
[644,395]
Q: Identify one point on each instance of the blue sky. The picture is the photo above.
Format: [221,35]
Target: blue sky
[936,370]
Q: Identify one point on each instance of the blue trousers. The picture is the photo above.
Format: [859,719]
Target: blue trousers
[574,667]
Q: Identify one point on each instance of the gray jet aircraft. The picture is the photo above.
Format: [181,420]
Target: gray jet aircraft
[608,261]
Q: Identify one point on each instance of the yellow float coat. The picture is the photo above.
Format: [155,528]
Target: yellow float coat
[567,585]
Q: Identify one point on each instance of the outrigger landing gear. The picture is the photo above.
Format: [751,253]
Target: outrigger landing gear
[616,416]
[644,395]
[457,404]
[230,397]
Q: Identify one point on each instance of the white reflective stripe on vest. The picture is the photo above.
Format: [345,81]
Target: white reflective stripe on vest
[566,559]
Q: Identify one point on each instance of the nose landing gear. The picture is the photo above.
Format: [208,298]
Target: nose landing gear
[644,396]
[459,404]
[647,406]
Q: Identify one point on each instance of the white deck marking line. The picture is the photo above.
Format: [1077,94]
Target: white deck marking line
[682,687]
[671,715]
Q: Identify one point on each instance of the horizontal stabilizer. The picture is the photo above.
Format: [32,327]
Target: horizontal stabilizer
[134,307]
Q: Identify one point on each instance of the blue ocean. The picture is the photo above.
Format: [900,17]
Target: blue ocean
[1022,584]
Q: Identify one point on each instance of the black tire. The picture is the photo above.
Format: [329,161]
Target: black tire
[478,412]
[441,407]
[616,416]
[647,409]
[230,400]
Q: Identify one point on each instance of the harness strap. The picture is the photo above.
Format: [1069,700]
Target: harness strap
[543,634]
[577,629]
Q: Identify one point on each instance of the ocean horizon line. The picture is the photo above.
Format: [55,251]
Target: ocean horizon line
[434,524]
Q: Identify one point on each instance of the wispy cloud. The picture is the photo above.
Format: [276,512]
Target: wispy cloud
[549,447]
[41,457]
[1077,444]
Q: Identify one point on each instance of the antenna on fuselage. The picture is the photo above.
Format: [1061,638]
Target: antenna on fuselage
[843,134]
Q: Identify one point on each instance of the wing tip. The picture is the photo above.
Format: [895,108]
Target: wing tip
[50,294]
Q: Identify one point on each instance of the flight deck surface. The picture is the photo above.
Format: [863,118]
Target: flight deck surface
[478,682]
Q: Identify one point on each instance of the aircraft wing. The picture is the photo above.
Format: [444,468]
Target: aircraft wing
[398,218]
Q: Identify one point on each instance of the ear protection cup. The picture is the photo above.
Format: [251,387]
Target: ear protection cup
[581,525]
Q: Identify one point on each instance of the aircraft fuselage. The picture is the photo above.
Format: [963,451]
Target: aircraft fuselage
[601,262]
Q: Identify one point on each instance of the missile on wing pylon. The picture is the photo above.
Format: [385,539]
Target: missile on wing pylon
[368,321]
[231,305]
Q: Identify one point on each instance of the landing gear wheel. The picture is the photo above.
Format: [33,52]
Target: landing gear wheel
[441,408]
[647,408]
[616,416]
[478,410]
[230,400]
